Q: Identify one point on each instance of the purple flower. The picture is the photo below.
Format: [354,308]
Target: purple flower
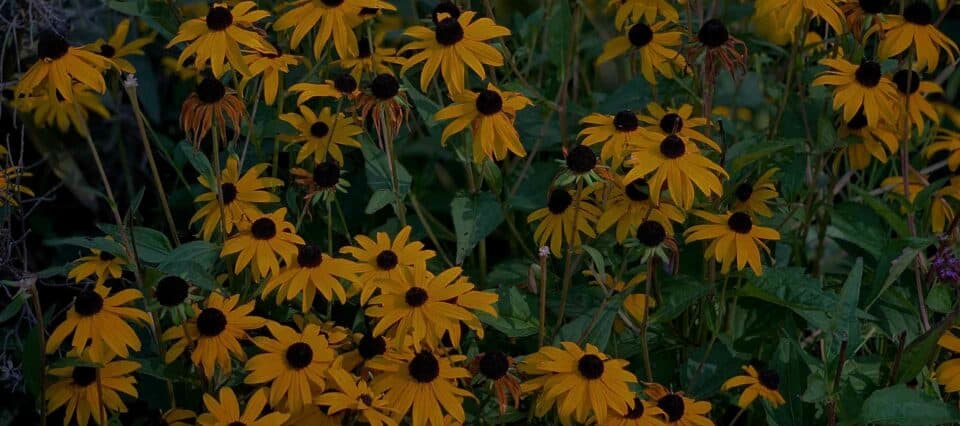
[946,266]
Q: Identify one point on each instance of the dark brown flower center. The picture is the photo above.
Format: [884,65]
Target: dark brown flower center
[88,303]
[345,83]
[299,355]
[873,6]
[743,192]
[387,260]
[908,81]
[636,410]
[590,367]
[637,190]
[449,32]
[494,365]
[219,18]
[858,121]
[489,102]
[673,406]
[740,223]
[581,159]
[415,297]
[309,255]
[51,46]
[229,192]
[559,201]
[107,51]
[326,174]
[84,376]
[626,121]
[365,48]
[332,3]
[713,33]
[319,129]
[651,233]
[211,322]
[263,228]
[171,290]
[237,423]
[366,399]
[210,90]
[640,35]
[444,7]
[424,367]
[918,13]
[369,346]
[671,123]
[672,147]
[868,74]
[385,86]
[769,379]
[106,256]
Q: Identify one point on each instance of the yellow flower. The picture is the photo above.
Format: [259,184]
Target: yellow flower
[765,384]
[456,43]
[50,108]
[271,65]
[211,105]
[424,307]
[941,212]
[676,162]
[240,195]
[490,113]
[312,271]
[321,134]
[948,372]
[260,241]
[331,18]
[579,382]
[59,65]
[875,140]
[563,220]
[634,10]
[679,410]
[655,47]
[423,381]
[172,67]
[371,59]
[915,29]
[641,413]
[617,133]
[116,47]
[733,236]
[664,121]
[227,410]
[753,198]
[294,364]
[628,205]
[913,93]
[98,320]
[10,187]
[78,389]
[385,260]
[947,140]
[216,331]
[344,86]
[638,305]
[355,395]
[792,11]
[101,264]
[217,37]
[857,87]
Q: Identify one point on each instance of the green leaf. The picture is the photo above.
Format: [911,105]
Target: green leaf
[13,307]
[99,243]
[426,107]
[191,272]
[558,32]
[843,323]
[901,405]
[199,161]
[940,299]
[157,14]
[514,318]
[377,169]
[192,262]
[380,199]
[473,219]
[891,217]
[921,351]
[31,362]
[152,245]
[678,294]
[787,361]
[795,290]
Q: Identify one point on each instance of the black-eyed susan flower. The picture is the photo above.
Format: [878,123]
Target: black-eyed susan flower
[260,241]
[718,49]
[762,383]
[174,295]
[664,121]
[226,411]
[617,133]
[314,415]
[311,271]
[116,47]
[579,382]
[628,205]
[10,187]
[343,86]
[580,165]
[420,308]
[676,162]
[455,44]
[321,135]
[489,114]
[856,87]
[99,320]
[365,347]
[947,141]
[177,417]
[642,413]
[915,29]
[100,263]
[385,259]
[638,306]
[792,11]
[913,93]
[217,37]
[752,198]
[353,394]
[59,64]
[948,375]
[87,390]
[371,59]
[654,45]
[733,237]
[331,18]
[294,364]
[424,382]
[323,183]
[270,65]
[50,109]
[241,194]
[564,220]
[215,332]
[497,368]
[631,11]
[212,105]
[875,140]
[385,104]
[941,212]
[859,13]
[679,410]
